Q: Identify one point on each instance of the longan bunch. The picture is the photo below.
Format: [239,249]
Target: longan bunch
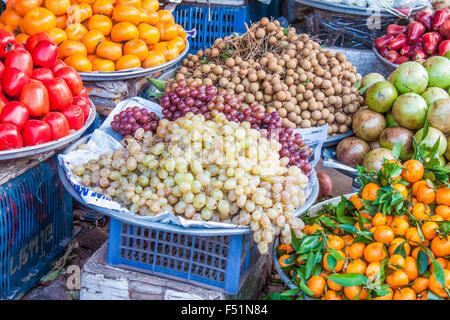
[284,72]
[211,170]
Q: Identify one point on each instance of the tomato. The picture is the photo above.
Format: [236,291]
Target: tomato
[33,40]
[34,96]
[75,116]
[42,74]
[15,113]
[10,137]
[36,132]
[59,93]
[19,59]
[58,124]
[59,64]
[13,81]
[6,42]
[72,78]
[45,54]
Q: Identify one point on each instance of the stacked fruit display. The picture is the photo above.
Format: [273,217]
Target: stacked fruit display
[414,99]
[100,35]
[427,36]
[283,72]
[391,241]
[41,99]
[211,170]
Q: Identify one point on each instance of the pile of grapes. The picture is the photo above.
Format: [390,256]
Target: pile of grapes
[181,98]
[212,170]
[132,118]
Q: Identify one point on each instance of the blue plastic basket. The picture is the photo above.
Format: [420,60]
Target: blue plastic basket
[210,23]
[35,227]
[217,262]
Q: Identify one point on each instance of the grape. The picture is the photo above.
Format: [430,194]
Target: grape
[128,121]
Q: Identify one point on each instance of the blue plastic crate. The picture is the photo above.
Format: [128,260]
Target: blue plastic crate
[35,227]
[218,262]
[223,21]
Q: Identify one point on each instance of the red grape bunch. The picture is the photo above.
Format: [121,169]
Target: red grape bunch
[132,118]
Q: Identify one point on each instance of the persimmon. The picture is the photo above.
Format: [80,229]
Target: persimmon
[128,61]
[104,65]
[109,50]
[61,21]
[126,14]
[57,35]
[103,7]
[124,31]
[412,171]
[136,47]
[79,63]
[22,7]
[91,40]
[38,20]
[70,47]
[75,31]
[170,51]
[179,42]
[152,17]
[181,32]
[150,5]
[168,31]
[10,17]
[165,16]
[149,34]
[133,3]
[22,38]
[78,13]
[58,7]
[101,23]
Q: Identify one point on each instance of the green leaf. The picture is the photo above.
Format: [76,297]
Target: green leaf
[295,241]
[336,254]
[291,292]
[357,84]
[349,279]
[438,273]
[331,261]
[273,296]
[349,228]
[422,261]
[340,209]
[432,296]
[158,84]
[382,290]
[305,289]
[284,31]
[309,243]
[401,249]
[396,150]
[309,264]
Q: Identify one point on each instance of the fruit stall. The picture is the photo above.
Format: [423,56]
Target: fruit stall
[214,150]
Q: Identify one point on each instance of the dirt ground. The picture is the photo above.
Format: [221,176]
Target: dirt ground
[91,231]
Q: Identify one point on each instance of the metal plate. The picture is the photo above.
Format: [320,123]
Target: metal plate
[391,66]
[132,73]
[342,8]
[44,147]
[171,227]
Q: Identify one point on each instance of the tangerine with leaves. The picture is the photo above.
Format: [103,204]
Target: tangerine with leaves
[440,246]
[374,252]
[420,284]
[356,250]
[411,268]
[443,211]
[335,242]
[405,294]
[396,261]
[437,288]
[379,219]
[425,194]
[421,211]
[339,263]
[383,234]
[333,285]
[355,293]
[317,285]
[443,196]
[388,296]
[331,295]
[413,171]
[397,279]
[356,266]
[372,270]
[369,191]
[399,226]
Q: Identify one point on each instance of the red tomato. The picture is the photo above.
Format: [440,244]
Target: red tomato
[36,132]
[13,81]
[10,137]
[33,40]
[58,123]
[59,93]
[58,65]
[7,41]
[72,78]
[75,117]
[15,113]
[34,96]
[42,74]
[19,59]
[45,54]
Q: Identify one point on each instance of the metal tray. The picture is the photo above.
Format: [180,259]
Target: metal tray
[132,73]
[172,227]
[44,147]
[343,8]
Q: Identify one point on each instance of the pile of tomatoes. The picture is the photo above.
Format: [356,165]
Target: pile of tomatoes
[41,98]
[99,35]
[388,242]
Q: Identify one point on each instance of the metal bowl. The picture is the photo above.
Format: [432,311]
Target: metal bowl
[391,66]
[138,221]
[132,73]
[55,144]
